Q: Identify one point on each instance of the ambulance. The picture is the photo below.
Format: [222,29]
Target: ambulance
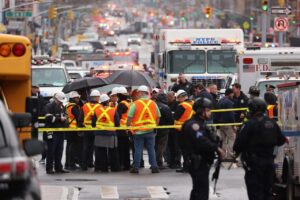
[287,161]
[203,55]
[262,66]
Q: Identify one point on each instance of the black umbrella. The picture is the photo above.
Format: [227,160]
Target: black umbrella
[131,78]
[84,83]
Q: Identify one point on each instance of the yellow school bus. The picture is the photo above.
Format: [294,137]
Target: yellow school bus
[15,80]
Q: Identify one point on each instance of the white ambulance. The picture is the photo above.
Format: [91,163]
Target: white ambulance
[203,55]
[262,66]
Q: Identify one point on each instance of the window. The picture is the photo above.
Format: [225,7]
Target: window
[221,61]
[186,61]
[49,77]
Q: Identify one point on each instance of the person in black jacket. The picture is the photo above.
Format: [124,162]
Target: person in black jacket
[36,110]
[55,117]
[161,139]
[240,101]
[255,143]
[174,160]
[183,84]
[227,132]
[202,146]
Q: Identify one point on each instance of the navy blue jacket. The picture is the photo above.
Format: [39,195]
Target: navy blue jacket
[225,117]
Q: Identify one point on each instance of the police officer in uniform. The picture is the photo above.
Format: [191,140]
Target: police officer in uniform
[202,146]
[255,143]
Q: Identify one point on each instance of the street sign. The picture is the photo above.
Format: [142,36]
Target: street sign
[281,24]
[18,14]
[281,10]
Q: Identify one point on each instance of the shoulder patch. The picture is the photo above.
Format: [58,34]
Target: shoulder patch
[195,126]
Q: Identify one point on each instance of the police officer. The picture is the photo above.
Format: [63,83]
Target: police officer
[88,138]
[202,146]
[254,92]
[55,117]
[255,143]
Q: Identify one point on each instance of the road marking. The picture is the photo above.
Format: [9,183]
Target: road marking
[109,192]
[75,194]
[157,192]
[54,192]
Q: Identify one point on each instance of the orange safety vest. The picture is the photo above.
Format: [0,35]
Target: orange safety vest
[89,112]
[188,113]
[124,116]
[105,116]
[112,104]
[145,114]
[270,109]
[71,118]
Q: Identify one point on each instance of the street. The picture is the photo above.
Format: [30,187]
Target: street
[122,185]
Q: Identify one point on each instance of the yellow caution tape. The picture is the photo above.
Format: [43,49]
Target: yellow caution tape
[214,111]
[124,128]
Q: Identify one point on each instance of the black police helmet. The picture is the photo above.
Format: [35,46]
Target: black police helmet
[201,104]
[257,105]
[253,90]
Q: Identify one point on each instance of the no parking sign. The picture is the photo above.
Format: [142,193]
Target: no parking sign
[281,24]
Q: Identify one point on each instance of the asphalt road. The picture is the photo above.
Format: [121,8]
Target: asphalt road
[122,185]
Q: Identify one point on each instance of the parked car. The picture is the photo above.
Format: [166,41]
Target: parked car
[18,179]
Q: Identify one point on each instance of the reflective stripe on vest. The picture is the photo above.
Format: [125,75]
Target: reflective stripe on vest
[270,109]
[105,117]
[187,114]
[71,118]
[124,115]
[145,114]
[89,111]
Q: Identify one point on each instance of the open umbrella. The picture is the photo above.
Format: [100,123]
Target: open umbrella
[131,78]
[84,83]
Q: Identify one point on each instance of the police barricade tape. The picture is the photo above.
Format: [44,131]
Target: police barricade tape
[124,128]
[214,111]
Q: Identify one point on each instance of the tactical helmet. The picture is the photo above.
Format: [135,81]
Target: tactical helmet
[201,104]
[257,105]
[253,90]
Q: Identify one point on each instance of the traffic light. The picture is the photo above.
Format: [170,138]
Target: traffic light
[182,16]
[70,15]
[52,12]
[264,5]
[281,3]
[208,12]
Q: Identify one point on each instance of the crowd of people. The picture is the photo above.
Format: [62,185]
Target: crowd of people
[108,149]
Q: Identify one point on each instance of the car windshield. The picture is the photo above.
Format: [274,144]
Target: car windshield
[49,77]
[221,61]
[186,61]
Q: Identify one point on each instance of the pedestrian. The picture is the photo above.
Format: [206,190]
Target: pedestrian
[144,112]
[123,135]
[202,147]
[213,90]
[184,112]
[161,140]
[55,117]
[92,73]
[227,132]
[183,84]
[106,142]
[154,94]
[73,148]
[173,146]
[240,100]
[88,137]
[114,97]
[272,108]
[36,109]
[256,142]
[254,92]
